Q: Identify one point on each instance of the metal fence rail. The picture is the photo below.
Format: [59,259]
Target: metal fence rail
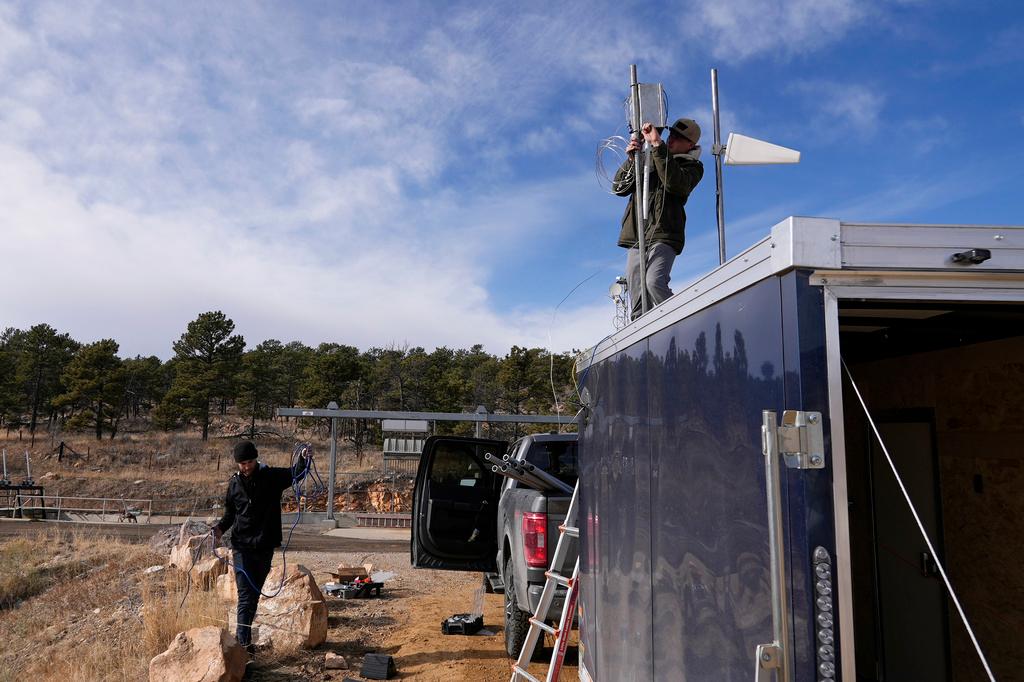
[78,509]
[69,508]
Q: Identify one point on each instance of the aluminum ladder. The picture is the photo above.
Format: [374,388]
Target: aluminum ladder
[569,528]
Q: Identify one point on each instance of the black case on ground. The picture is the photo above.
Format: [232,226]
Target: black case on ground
[462,624]
[378,667]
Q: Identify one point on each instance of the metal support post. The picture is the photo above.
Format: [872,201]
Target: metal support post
[479,426]
[717,150]
[334,457]
[639,198]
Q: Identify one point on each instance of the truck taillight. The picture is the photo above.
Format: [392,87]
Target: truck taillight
[535,539]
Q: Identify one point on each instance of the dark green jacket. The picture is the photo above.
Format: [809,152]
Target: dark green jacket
[672,178]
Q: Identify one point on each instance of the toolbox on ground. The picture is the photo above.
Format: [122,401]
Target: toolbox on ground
[462,624]
[354,590]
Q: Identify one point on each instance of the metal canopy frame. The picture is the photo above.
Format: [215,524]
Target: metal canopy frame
[481,416]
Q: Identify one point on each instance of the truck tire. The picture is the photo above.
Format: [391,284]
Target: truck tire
[517,621]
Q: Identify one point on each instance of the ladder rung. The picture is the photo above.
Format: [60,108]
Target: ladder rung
[522,673]
[544,626]
[558,578]
[571,531]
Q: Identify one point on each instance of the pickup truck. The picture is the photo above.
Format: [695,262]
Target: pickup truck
[466,517]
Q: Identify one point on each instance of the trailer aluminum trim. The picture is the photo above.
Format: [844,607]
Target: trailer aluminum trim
[862,253]
[840,497]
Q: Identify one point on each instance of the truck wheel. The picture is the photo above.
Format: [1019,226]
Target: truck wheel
[517,621]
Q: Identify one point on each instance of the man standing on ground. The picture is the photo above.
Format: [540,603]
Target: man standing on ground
[676,170]
[252,506]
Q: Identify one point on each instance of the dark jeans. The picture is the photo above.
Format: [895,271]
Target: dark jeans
[256,565]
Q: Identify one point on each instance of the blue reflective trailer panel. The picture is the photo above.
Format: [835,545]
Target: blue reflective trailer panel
[615,512]
[673,440]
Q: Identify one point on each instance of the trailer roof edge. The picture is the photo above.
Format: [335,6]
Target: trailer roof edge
[830,245]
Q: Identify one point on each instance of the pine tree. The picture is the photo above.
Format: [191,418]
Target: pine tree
[330,371]
[42,356]
[295,357]
[262,381]
[145,384]
[207,359]
[94,381]
[9,394]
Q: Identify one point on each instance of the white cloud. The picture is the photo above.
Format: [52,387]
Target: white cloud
[12,40]
[841,108]
[356,172]
[740,29]
[904,198]
[101,269]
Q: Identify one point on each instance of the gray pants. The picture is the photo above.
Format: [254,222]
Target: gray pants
[659,267]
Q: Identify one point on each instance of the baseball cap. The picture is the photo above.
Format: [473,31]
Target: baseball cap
[688,128]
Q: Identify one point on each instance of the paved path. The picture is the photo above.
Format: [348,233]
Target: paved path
[303,540]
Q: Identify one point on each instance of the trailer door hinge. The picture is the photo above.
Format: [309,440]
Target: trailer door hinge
[800,439]
[768,659]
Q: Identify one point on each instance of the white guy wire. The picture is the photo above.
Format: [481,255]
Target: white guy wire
[920,526]
[551,351]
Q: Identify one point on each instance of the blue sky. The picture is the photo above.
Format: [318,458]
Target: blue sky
[424,173]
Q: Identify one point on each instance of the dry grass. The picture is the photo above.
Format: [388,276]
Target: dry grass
[170,607]
[180,456]
[82,610]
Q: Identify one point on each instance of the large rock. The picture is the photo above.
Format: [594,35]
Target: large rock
[207,654]
[165,538]
[194,554]
[206,571]
[297,616]
[226,588]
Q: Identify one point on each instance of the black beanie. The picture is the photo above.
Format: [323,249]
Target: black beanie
[245,451]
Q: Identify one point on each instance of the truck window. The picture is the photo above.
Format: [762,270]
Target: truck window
[456,466]
[555,457]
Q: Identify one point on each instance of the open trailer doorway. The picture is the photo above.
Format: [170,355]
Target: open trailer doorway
[944,383]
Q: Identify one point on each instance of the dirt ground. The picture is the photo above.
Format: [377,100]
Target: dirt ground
[406,623]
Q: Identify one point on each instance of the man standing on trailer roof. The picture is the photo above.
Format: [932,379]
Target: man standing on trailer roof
[676,170]
[252,507]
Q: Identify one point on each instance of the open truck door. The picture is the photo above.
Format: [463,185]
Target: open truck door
[455,505]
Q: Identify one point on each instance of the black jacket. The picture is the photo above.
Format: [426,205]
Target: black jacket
[672,179]
[253,506]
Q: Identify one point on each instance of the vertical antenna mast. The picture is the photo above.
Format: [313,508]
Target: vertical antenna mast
[717,150]
[639,200]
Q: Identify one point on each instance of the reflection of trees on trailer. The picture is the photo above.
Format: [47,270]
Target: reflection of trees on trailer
[683,577]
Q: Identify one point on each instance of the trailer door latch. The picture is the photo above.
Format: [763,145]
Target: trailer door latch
[768,659]
[799,438]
